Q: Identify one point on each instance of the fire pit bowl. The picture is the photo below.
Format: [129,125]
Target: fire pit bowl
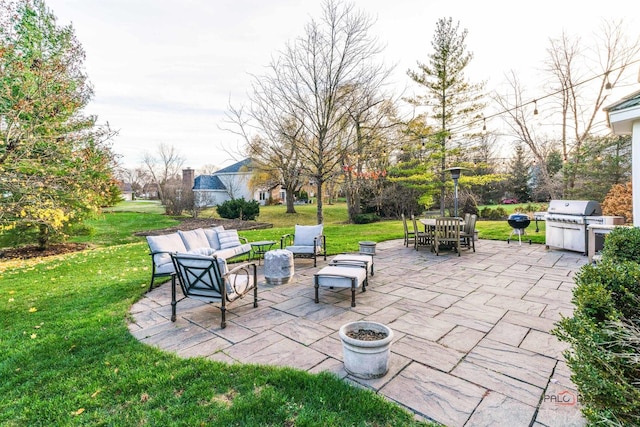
[518,222]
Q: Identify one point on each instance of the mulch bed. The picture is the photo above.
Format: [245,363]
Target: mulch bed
[193,223]
[32,251]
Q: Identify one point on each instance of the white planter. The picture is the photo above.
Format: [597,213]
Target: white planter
[366,359]
[367,247]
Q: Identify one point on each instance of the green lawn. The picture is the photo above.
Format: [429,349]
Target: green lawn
[69,359]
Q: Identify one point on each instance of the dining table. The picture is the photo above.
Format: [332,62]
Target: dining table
[430,223]
[430,226]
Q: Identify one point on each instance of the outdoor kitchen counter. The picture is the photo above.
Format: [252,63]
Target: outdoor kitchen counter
[597,229]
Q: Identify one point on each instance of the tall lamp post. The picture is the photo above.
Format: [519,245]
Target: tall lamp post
[455,175]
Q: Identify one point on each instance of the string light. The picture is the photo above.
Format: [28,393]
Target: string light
[607,85]
[535,101]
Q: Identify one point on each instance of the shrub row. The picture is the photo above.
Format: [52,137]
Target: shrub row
[604,333]
[239,209]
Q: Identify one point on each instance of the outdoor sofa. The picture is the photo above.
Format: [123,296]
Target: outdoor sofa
[224,244]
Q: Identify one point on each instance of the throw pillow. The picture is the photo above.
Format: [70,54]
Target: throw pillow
[304,234]
[228,239]
[194,239]
[212,236]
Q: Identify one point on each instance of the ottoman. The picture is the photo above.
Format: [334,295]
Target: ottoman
[278,266]
[341,276]
[353,259]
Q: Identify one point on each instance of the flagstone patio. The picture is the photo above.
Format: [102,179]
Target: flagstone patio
[472,345]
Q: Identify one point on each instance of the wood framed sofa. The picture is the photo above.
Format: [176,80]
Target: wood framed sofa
[224,244]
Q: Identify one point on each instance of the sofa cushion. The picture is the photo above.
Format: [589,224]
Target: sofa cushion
[228,253]
[202,251]
[228,239]
[194,239]
[304,234]
[166,244]
[212,236]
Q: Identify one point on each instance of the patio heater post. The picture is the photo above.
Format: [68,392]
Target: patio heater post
[455,175]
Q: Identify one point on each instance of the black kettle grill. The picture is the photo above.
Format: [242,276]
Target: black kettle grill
[518,222]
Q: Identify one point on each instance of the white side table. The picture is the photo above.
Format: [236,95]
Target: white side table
[278,266]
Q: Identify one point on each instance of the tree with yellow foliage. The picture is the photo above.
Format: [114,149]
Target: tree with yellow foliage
[55,163]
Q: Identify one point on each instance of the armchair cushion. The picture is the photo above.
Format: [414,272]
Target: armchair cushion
[194,239]
[303,249]
[305,234]
[228,239]
[212,236]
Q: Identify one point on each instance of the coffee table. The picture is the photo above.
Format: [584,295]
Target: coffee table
[261,247]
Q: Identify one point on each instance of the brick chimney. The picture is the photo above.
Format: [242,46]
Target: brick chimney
[188,177]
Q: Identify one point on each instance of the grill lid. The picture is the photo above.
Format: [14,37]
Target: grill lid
[575,207]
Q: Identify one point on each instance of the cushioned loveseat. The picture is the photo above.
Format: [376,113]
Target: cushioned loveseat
[225,244]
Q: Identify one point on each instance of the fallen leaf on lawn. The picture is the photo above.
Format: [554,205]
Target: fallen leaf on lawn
[34,336]
[95,393]
[78,412]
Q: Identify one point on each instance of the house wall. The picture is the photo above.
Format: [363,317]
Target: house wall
[635,176]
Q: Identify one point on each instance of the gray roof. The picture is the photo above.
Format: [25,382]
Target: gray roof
[208,182]
[235,168]
[626,102]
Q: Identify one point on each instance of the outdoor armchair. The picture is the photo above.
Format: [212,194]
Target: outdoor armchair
[207,279]
[307,241]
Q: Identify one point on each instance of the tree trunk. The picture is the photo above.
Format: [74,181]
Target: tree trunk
[320,214]
[289,200]
[43,237]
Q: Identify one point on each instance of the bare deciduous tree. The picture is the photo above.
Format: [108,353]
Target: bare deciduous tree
[163,167]
[581,75]
[313,82]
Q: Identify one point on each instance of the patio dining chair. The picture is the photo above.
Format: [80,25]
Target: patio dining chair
[467,235]
[421,238]
[207,279]
[447,232]
[409,236]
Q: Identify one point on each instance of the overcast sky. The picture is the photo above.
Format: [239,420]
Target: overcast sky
[165,71]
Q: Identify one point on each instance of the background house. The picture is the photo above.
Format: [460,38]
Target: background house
[229,183]
[234,182]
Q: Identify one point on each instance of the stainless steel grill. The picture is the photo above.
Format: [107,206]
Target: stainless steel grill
[566,223]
